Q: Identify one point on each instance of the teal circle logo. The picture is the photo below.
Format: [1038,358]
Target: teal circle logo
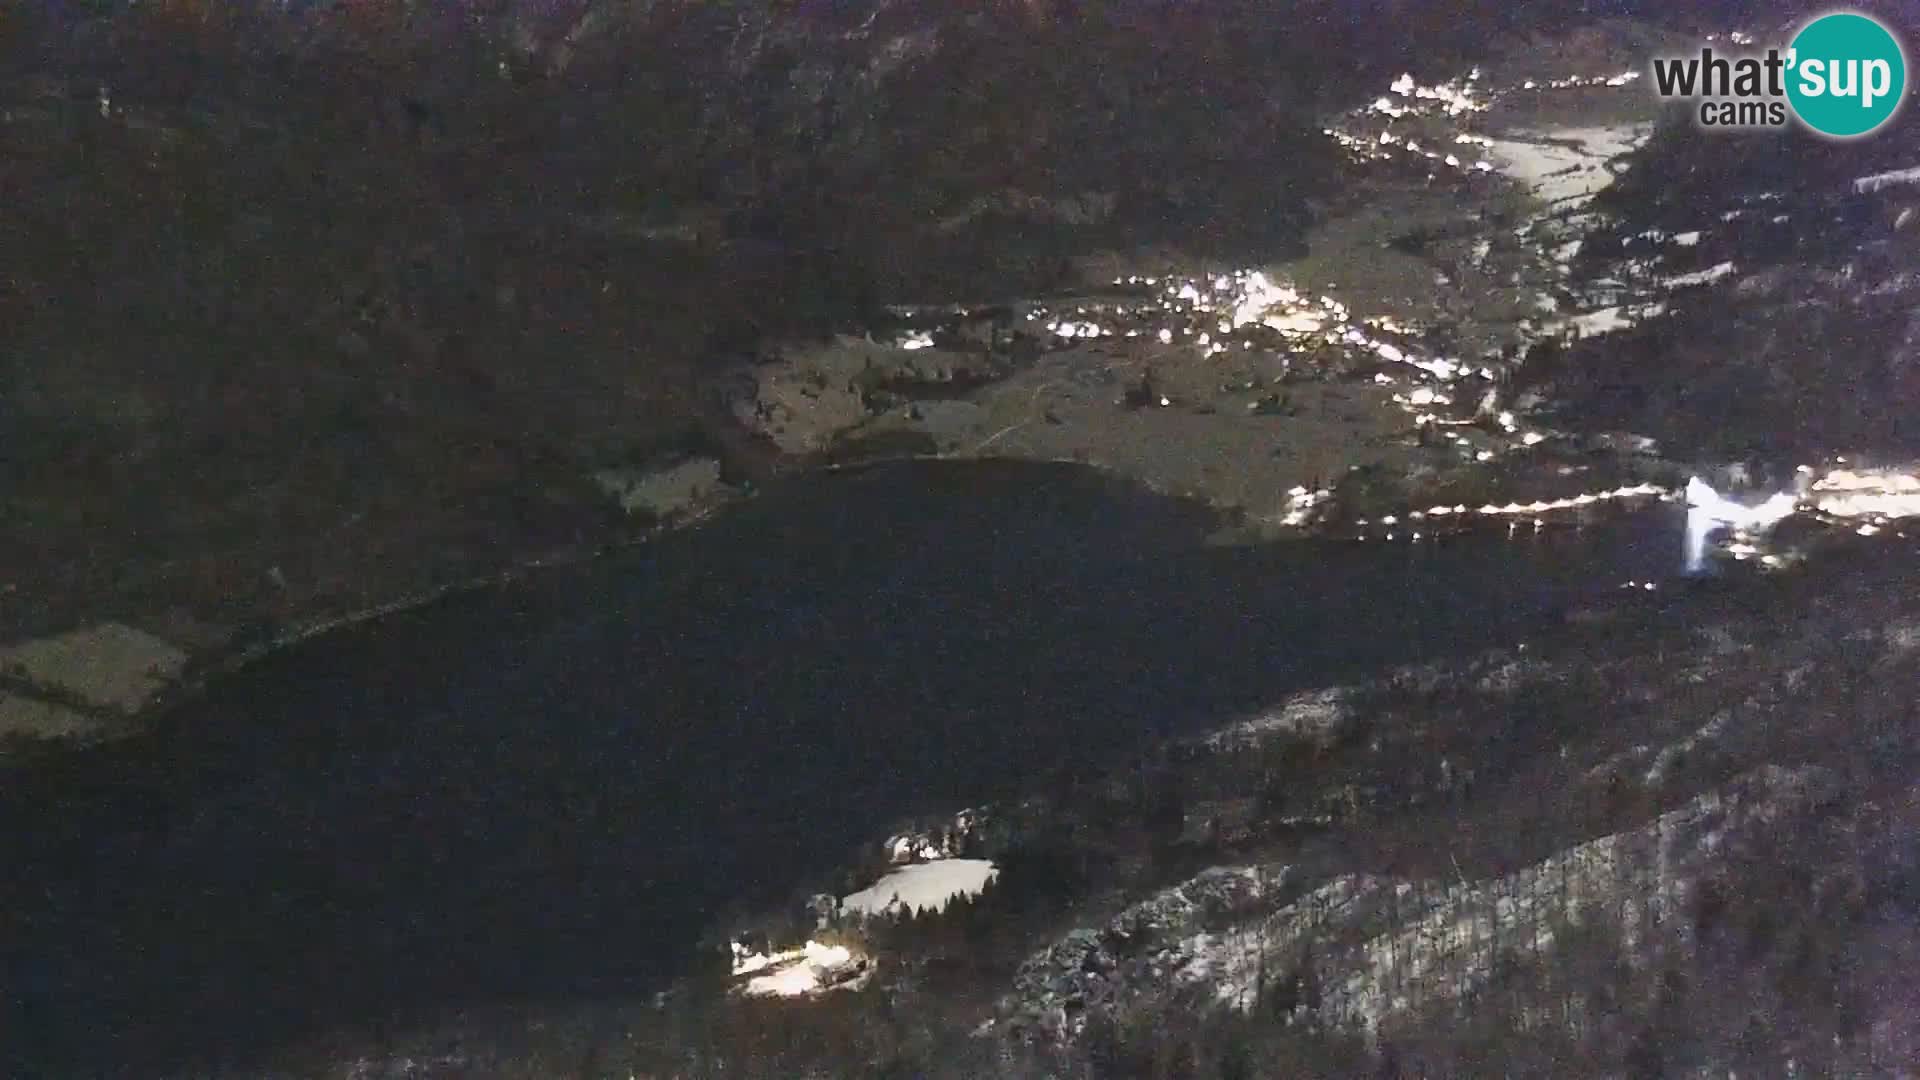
[1846,75]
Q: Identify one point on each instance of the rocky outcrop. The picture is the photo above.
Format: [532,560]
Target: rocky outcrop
[1146,945]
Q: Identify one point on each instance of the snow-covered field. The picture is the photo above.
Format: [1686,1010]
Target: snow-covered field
[1566,167]
[814,967]
[795,972]
[922,885]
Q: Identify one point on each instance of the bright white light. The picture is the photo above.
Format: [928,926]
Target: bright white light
[746,963]
[1884,506]
[1259,297]
[1082,330]
[1868,480]
[1302,504]
[917,340]
[1709,512]
[795,973]
[1851,493]
[1542,506]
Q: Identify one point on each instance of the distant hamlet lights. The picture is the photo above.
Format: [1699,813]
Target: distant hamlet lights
[1207,313]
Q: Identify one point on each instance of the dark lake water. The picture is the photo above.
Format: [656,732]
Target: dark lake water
[549,788]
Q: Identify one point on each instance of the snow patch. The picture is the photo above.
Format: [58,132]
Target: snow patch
[1609,319]
[1561,173]
[930,885]
[1699,277]
[1868,184]
[1307,715]
[796,972]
